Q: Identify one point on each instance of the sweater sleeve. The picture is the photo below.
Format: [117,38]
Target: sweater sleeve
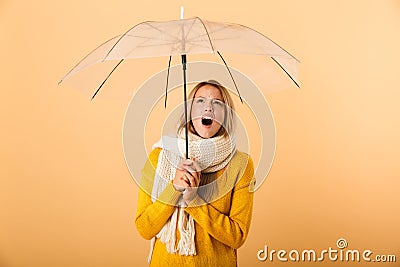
[231,229]
[152,216]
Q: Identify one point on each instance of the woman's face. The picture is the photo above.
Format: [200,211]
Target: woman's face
[208,111]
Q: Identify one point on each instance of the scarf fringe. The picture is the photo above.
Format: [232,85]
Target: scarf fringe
[167,235]
[186,245]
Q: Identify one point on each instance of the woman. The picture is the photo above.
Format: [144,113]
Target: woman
[197,211]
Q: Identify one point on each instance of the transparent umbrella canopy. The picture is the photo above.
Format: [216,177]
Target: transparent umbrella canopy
[187,37]
[183,37]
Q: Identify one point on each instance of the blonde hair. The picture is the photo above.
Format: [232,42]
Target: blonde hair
[229,119]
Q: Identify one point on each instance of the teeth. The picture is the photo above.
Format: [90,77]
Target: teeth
[206,121]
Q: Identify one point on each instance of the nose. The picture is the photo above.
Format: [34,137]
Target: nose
[208,106]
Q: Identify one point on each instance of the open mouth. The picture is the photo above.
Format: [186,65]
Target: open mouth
[206,121]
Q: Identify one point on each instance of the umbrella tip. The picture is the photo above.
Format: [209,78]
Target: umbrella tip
[182,12]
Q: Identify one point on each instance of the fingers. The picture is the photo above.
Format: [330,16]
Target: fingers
[190,165]
[181,178]
[188,172]
[188,179]
[196,165]
[180,181]
[193,181]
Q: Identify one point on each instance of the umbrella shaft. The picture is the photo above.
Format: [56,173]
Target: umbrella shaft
[185,105]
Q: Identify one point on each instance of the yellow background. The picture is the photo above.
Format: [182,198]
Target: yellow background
[67,198]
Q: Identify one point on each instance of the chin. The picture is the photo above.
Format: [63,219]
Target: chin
[204,135]
[207,134]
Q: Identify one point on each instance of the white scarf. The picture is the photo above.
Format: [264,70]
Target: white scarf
[212,154]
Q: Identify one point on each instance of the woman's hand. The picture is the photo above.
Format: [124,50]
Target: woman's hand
[187,179]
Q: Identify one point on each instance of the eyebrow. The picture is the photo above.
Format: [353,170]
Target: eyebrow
[209,98]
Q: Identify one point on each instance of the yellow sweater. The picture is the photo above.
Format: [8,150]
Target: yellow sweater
[221,226]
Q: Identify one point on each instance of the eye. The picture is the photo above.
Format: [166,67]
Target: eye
[199,100]
[218,103]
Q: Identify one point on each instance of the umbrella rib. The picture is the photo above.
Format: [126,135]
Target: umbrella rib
[91,52]
[139,46]
[122,36]
[166,86]
[148,39]
[214,39]
[290,76]
[198,45]
[190,29]
[220,29]
[144,37]
[194,38]
[127,32]
[157,45]
[208,35]
[138,36]
[271,41]
[144,41]
[142,45]
[237,90]
[251,29]
[173,37]
[108,76]
[84,59]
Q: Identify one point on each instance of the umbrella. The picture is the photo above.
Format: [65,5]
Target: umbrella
[181,38]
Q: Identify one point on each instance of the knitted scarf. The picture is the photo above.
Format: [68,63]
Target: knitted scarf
[212,154]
